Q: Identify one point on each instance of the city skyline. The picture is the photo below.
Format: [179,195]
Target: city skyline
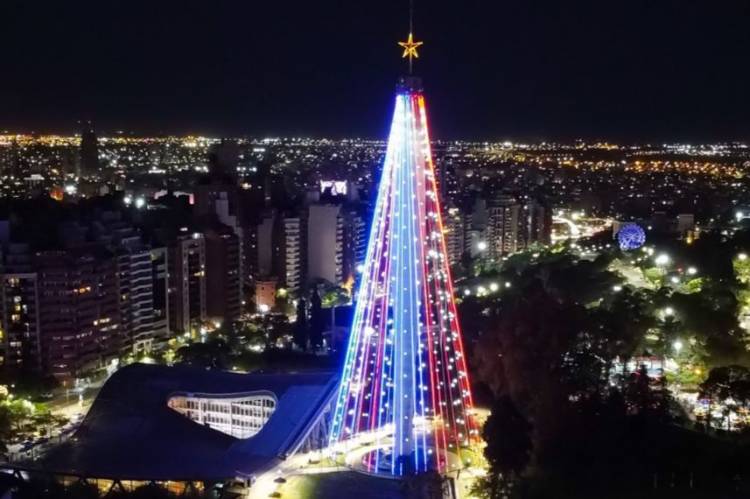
[201,297]
[543,71]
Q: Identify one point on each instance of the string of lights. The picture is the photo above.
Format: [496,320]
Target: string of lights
[405,383]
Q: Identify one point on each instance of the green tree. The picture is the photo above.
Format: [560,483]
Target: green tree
[334,296]
[20,412]
[45,421]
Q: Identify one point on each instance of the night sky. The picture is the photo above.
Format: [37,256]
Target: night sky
[521,69]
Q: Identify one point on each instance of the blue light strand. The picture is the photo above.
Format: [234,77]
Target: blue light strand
[338,421]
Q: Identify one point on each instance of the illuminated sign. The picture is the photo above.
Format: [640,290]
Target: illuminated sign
[335,187]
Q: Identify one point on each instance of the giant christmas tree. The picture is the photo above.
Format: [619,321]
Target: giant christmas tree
[404,388]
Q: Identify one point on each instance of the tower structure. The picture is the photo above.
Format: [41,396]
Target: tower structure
[89,150]
[404,383]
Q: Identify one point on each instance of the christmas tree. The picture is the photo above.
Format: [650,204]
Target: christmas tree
[404,387]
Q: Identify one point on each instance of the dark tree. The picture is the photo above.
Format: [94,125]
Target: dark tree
[317,321]
[508,437]
[645,396]
[215,353]
[81,490]
[301,330]
[148,491]
[727,382]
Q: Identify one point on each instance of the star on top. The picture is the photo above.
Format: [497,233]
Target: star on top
[410,48]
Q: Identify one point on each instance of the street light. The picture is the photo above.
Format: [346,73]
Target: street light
[482,245]
[662,259]
[677,345]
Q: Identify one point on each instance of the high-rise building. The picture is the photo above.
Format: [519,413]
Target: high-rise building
[223,159]
[266,244]
[94,292]
[291,262]
[249,253]
[513,225]
[217,198]
[223,282]
[502,226]
[160,280]
[355,243]
[72,309]
[142,326]
[455,234]
[447,180]
[79,310]
[535,225]
[405,380]
[89,151]
[325,243]
[136,285]
[21,339]
[187,282]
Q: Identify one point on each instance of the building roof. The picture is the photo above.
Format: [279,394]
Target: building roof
[130,433]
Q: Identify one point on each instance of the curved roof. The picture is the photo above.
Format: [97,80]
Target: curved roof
[130,433]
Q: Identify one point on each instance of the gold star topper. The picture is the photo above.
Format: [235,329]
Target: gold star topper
[410,49]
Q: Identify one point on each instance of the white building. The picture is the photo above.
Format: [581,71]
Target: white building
[325,243]
[455,235]
[292,254]
[240,415]
[502,227]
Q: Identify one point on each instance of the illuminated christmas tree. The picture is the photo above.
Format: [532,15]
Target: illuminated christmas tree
[404,388]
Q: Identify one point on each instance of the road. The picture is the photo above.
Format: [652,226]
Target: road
[73,406]
[356,450]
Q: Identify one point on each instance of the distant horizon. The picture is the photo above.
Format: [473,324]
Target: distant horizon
[590,141]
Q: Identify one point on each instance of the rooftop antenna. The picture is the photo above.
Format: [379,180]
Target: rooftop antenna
[410,46]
